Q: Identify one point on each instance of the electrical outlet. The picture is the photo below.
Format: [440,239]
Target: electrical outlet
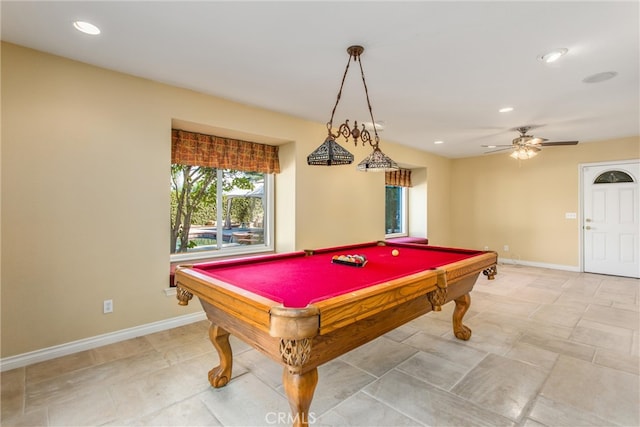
[486,248]
[506,248]
[107,306]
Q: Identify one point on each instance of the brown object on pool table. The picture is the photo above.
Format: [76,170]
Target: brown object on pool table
[302,311]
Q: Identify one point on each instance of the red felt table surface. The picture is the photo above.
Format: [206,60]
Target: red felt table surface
[296,280]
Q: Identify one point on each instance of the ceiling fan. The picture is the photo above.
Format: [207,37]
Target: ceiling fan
[526,146]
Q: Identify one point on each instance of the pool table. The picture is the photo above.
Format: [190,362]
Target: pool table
[306,308]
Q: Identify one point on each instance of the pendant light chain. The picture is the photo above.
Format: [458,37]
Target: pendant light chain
[346,70]
[366,92]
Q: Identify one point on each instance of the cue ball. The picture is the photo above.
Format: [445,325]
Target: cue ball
[395,252]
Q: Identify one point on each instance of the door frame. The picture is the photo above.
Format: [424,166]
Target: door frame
[581,166]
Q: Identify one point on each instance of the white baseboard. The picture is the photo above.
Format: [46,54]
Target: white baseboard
[512,261]
[20,360]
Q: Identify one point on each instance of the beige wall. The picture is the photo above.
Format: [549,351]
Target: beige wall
[85,194]
[499,201]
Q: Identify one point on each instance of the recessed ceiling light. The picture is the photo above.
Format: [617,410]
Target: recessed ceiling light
[86,27]
[552,56]
[600,77]
[438,142]
[505,110]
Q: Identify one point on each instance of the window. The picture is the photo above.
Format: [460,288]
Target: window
[217,210]
[396,203]
[613,177]
[395,219]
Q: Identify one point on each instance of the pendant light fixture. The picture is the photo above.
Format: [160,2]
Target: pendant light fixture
[331,153]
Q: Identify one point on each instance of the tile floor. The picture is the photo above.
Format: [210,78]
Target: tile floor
[549,348]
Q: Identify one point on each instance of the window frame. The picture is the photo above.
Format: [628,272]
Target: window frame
[404,213]
[268,226]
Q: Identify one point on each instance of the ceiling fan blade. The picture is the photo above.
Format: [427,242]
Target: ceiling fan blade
[496,146]
[499,149]
[552,143]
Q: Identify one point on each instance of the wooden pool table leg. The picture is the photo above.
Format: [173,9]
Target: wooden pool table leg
[299,389]
[221,374]
[462,305]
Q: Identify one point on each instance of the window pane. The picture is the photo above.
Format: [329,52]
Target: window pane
[193,192]
[243,202]
[394,210]
[215,210]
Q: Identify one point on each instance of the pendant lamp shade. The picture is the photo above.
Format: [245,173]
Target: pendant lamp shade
[329,153]
[377,161]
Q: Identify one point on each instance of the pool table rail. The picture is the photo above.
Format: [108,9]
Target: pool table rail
[342,310]
[253,308]
[485,262]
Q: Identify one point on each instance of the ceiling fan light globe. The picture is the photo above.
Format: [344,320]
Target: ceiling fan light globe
[523,153]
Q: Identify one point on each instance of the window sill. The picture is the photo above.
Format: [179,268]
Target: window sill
[203,256]
[408,239]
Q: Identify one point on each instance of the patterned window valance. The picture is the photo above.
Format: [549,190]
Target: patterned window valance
[196,149]
[399,178]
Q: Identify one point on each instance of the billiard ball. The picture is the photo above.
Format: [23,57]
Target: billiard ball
[395,252]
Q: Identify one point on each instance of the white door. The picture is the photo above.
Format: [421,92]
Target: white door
[611,228]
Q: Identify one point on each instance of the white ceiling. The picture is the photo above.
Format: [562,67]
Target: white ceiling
[434,70]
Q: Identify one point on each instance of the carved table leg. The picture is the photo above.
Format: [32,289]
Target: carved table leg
[299,389]
[462,305]
[221,374]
